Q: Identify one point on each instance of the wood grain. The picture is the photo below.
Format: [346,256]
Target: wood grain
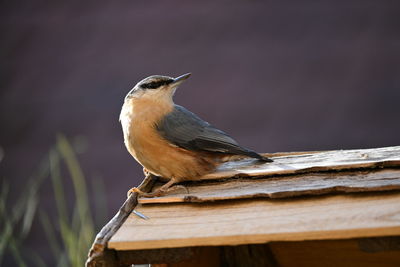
[286,186]
[253,221]
[323,169]
[310,162]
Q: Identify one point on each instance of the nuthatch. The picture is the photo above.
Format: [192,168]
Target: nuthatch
[168,140]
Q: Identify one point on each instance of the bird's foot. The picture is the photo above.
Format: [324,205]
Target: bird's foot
[146,184]
[140,193]
[159,192]
[134,190]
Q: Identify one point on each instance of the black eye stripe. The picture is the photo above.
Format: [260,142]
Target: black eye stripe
[154,85]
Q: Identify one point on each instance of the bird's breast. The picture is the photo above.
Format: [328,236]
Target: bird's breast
[139,120]
[154,152]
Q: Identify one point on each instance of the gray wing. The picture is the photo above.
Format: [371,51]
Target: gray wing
[185,129]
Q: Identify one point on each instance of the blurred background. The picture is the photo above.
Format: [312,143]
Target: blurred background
[277,76]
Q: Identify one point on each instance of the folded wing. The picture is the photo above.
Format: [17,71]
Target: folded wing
[186,130]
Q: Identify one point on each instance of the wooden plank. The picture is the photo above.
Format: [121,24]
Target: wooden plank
[297,163]
[286,186]
[256,221]
[311,162]
[344,253]
[178,256]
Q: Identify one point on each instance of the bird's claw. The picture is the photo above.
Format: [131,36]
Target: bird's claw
[134,190]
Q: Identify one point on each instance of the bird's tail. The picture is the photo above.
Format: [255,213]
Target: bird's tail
[265,159]
[245,154]
[255,155]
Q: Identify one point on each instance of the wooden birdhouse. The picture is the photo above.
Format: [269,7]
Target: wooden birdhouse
[329,208]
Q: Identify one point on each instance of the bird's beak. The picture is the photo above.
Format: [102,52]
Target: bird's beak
[180,79]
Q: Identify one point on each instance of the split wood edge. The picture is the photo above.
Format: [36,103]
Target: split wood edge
[203,192]
[98,254]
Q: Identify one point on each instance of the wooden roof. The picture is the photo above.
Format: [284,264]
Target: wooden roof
[245,202]
[259,221]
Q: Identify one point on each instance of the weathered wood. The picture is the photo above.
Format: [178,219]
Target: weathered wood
[310,162]
[284,186]
[98,255]
[260,220]
[291,164]
[255,221]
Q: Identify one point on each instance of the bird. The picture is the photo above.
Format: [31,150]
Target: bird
[170,141]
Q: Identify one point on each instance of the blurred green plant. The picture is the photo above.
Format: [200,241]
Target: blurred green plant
[71,233]
[17,217]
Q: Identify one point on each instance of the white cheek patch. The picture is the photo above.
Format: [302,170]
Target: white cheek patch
[161,94]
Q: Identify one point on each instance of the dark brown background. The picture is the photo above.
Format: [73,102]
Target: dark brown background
[299,75]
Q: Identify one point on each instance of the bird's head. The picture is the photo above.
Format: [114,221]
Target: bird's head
[156,87]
